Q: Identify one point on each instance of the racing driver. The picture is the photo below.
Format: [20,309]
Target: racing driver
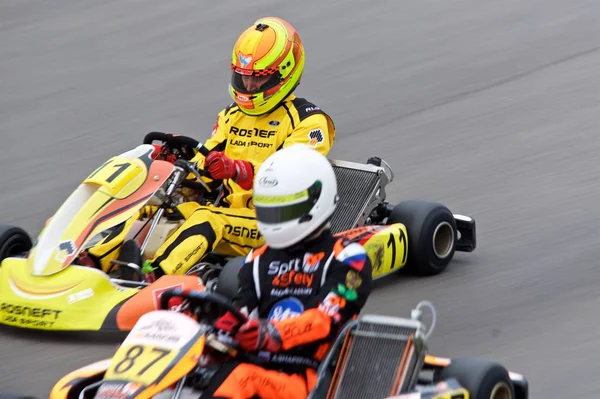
[267,62]
[300,287]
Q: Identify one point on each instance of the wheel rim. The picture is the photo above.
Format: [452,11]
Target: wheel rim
[443,240]
[501,391]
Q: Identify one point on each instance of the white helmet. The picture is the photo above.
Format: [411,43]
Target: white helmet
[295,193]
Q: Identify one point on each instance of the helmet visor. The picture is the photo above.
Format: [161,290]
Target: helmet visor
[253,84]
[273,209]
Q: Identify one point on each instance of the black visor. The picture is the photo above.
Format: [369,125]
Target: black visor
[274,209]
[238,84]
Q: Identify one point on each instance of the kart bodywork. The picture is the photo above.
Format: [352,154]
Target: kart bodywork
[47,289]
[47,285]
[374,356]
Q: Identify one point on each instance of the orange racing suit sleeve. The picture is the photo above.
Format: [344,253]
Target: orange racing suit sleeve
[344,293]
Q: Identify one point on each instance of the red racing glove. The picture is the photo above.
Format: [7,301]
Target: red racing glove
[257,335]
[221,166]
[227,322]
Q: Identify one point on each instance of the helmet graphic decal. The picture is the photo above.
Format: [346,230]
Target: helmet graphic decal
[244,59]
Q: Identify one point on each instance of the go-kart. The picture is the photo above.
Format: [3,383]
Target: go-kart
[172,354]
[56,284]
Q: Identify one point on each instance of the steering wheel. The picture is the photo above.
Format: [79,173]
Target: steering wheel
[184,146]
[203,303]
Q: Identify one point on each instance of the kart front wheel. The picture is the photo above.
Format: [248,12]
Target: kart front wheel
[14,241]
[482,378]
[432,235]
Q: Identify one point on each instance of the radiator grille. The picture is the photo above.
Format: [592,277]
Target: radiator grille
[355,188]
[373,361]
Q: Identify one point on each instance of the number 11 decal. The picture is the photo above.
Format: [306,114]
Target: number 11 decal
[392,243]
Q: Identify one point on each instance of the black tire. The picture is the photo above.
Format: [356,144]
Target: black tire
[432,235]
[482,378]
[13,241]
[228,277]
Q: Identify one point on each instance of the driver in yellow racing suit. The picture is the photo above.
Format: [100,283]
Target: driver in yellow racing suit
[267,62]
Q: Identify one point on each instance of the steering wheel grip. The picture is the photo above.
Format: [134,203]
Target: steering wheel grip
[202,297]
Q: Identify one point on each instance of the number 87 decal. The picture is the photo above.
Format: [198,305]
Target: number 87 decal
[132,355]
[397,239]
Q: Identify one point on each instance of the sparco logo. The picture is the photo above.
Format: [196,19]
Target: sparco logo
[268,182]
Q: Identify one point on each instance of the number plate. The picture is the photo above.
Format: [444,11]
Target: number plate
[155,342]
[116,173]
[140,363]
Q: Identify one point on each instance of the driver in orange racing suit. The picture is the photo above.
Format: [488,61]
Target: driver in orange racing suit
[267,64]
[302,285]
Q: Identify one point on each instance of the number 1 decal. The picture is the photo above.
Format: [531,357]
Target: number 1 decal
[392,242]
[121,167]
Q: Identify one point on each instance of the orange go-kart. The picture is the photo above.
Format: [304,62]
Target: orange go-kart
[174,353]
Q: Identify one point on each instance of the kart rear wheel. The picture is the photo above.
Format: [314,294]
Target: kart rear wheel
[482,378]
[228,277]
[432,233]
[14,241]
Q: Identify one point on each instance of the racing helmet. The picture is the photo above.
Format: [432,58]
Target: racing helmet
[269,58]
[295,195]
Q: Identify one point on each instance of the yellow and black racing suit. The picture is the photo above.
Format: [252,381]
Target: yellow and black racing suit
[230,229]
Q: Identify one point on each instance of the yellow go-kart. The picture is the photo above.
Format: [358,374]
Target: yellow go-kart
[143,195]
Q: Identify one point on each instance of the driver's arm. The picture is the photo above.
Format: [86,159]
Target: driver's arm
[345,292]
[217,141]
[317,131]
[220,165]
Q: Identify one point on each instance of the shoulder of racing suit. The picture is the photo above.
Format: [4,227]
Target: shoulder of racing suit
[299,109]
[229,110]
[305,108]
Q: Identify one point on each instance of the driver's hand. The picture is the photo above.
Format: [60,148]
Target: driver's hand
[220,166]
[257,335]
[227,323]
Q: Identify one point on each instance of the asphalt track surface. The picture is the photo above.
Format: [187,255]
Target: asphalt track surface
[490,107]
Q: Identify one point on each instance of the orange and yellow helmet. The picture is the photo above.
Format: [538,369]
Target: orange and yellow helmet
[267,62]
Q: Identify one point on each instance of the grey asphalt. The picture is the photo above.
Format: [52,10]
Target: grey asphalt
[489,107]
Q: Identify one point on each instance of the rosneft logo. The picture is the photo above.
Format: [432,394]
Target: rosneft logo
[315,137]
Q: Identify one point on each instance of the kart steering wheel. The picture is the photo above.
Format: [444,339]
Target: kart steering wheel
[182,144]
[203,303]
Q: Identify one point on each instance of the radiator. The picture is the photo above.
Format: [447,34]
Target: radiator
[358,186]
[374,358]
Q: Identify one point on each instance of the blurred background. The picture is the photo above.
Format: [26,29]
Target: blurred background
[489,107]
